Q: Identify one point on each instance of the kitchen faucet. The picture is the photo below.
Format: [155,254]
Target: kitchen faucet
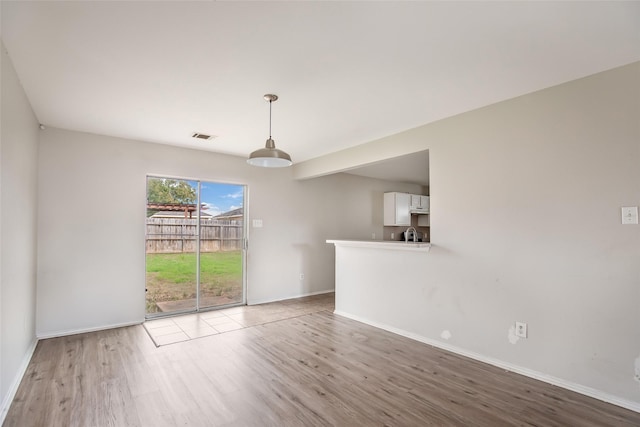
[415,234]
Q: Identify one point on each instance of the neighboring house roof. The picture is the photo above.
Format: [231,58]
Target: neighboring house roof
[235,213]
[178,214]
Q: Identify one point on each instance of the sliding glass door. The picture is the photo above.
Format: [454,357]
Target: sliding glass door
[222,245]
[194,245]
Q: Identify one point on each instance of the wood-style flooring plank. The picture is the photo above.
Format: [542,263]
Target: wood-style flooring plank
[315,369]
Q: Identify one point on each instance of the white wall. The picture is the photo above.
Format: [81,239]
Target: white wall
[92,221]
[18,206]
[526,223]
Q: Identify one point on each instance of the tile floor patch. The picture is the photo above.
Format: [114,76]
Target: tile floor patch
[218,321]
[200,332]
[171,338]
[160,323]
[166,330]
[211,315]
[171,330]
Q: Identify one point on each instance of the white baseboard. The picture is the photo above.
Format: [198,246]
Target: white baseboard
[56,334]
[578,388]
[13,389]
[310,294]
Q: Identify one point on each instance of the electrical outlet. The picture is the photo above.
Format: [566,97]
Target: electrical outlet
[301,276]
[521,329]
[393,236]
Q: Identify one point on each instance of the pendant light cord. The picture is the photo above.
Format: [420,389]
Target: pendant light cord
[270,101]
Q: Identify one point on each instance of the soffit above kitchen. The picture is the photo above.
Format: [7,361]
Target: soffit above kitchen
[410,169]
[346,72]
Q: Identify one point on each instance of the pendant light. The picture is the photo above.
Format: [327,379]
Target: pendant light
[269,156]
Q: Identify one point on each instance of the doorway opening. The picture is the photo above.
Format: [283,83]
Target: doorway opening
[194,246]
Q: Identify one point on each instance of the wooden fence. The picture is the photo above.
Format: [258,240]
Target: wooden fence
[169,235]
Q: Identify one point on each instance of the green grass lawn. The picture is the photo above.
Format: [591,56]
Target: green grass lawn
[172,277]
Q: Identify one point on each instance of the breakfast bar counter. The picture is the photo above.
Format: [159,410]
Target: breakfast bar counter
[384,244]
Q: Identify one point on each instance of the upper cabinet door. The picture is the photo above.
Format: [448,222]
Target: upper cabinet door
[419,203]
[415,201]
[424,203]
[396,209]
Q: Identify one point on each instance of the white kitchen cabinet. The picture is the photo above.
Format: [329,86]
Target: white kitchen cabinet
[396,208]
[415,201]
[419,203]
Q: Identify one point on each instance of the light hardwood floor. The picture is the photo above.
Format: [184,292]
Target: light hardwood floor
[315,369]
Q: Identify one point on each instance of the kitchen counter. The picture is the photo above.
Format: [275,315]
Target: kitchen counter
[384,244]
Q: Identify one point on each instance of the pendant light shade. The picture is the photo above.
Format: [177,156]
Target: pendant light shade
[269,156]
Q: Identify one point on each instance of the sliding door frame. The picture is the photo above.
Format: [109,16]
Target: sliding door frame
[243,250]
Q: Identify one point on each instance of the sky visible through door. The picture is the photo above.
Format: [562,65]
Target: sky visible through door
[219,198]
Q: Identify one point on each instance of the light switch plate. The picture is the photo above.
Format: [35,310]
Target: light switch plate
[629,214]
[257,223]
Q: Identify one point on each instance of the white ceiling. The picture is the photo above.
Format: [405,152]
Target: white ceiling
[346,72]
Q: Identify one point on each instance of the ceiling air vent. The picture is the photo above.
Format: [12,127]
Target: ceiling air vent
[202,136]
